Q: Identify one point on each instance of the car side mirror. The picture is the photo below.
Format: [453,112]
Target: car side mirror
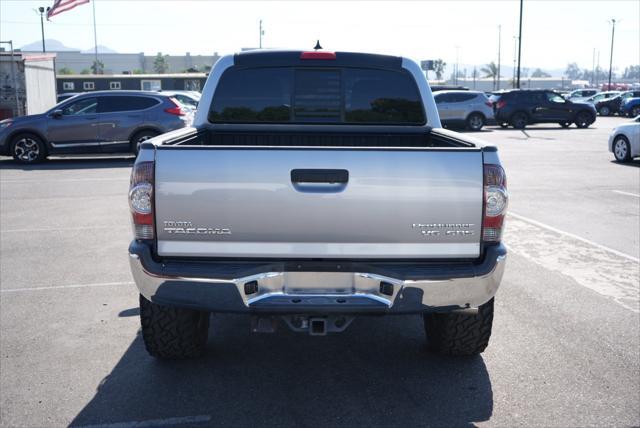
[56,114]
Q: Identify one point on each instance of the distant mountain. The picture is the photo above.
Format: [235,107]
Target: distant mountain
[51,45]
[101,49]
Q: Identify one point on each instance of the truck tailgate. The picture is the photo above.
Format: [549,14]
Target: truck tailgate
[265,202]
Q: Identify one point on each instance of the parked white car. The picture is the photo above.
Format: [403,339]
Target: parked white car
[470,109]
[624,141]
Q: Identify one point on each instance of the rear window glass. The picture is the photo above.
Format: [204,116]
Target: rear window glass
[307,95]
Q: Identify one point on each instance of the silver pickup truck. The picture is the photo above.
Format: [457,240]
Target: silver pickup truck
[315,187]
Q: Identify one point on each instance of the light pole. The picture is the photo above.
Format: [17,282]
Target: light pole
[515,56]
[261,33]
[42,10]
[456,70]
[613,32]
[499,37]
[519,46]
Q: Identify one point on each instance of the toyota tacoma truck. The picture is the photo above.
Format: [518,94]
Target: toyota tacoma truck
[313,188]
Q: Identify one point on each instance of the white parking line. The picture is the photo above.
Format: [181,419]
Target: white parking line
[64,229]
[608,272]
[186,420]
[625,193]
[56,287]
[571,235]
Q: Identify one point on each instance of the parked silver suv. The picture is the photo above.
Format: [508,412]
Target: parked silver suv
[470,109]
[93,122]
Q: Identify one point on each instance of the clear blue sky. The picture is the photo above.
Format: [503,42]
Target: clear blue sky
[554,32]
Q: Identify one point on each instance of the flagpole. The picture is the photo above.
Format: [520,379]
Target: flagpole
[95,35]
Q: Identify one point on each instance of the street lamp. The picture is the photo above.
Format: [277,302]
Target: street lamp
[519,46]
[613,32]
[42,10]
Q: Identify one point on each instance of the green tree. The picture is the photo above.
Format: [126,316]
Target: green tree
[97,67]
[160,63]
[632,72]
[85,71]
[65,70]
[438,68]
[573,71]
[491,70]
[539,73]
[137,71]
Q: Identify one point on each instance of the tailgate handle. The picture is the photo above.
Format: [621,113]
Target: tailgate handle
[323,176]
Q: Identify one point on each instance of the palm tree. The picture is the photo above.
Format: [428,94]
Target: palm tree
[438,68]
[491,70]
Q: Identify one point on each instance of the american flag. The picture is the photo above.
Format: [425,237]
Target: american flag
[60,6]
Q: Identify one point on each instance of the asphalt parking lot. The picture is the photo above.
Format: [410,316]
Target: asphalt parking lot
[565,349]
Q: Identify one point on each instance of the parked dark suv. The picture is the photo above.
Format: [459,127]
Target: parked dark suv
[520,108]
[612,105]
[93,122]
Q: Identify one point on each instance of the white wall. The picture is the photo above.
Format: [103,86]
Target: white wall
[40,81]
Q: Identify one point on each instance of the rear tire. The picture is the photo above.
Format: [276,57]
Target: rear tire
[621,149]
[635,112]
[583,119]
[475,122]
[173,333]
[140,138]
[460,334]
[519,120]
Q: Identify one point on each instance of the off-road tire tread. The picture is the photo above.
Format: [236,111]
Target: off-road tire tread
[173,333]
[460,334]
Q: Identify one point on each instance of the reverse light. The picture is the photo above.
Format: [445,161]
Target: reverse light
[496,200]
[141,199]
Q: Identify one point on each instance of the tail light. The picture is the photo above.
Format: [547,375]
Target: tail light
[489,104]
[141,199]
[318,55]
[496,200]
[176,109]
[500,104]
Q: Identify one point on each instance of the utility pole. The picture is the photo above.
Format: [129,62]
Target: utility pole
[456,70]
[95,37]
[613,32]
[519,46]
[515,55]
[42,10]
[593,67]
[499,37]
[261,34]
[598,69]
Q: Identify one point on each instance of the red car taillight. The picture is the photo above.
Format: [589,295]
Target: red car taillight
[496,200]
[176,109]
[489,104]
[141,199]
[500,104]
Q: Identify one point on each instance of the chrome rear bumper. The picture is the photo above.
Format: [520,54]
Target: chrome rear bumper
[193,285]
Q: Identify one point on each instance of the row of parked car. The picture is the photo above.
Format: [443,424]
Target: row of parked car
[119,121]
[516,108]
[608,103]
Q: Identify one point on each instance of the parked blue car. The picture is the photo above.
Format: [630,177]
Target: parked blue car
[630,107]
